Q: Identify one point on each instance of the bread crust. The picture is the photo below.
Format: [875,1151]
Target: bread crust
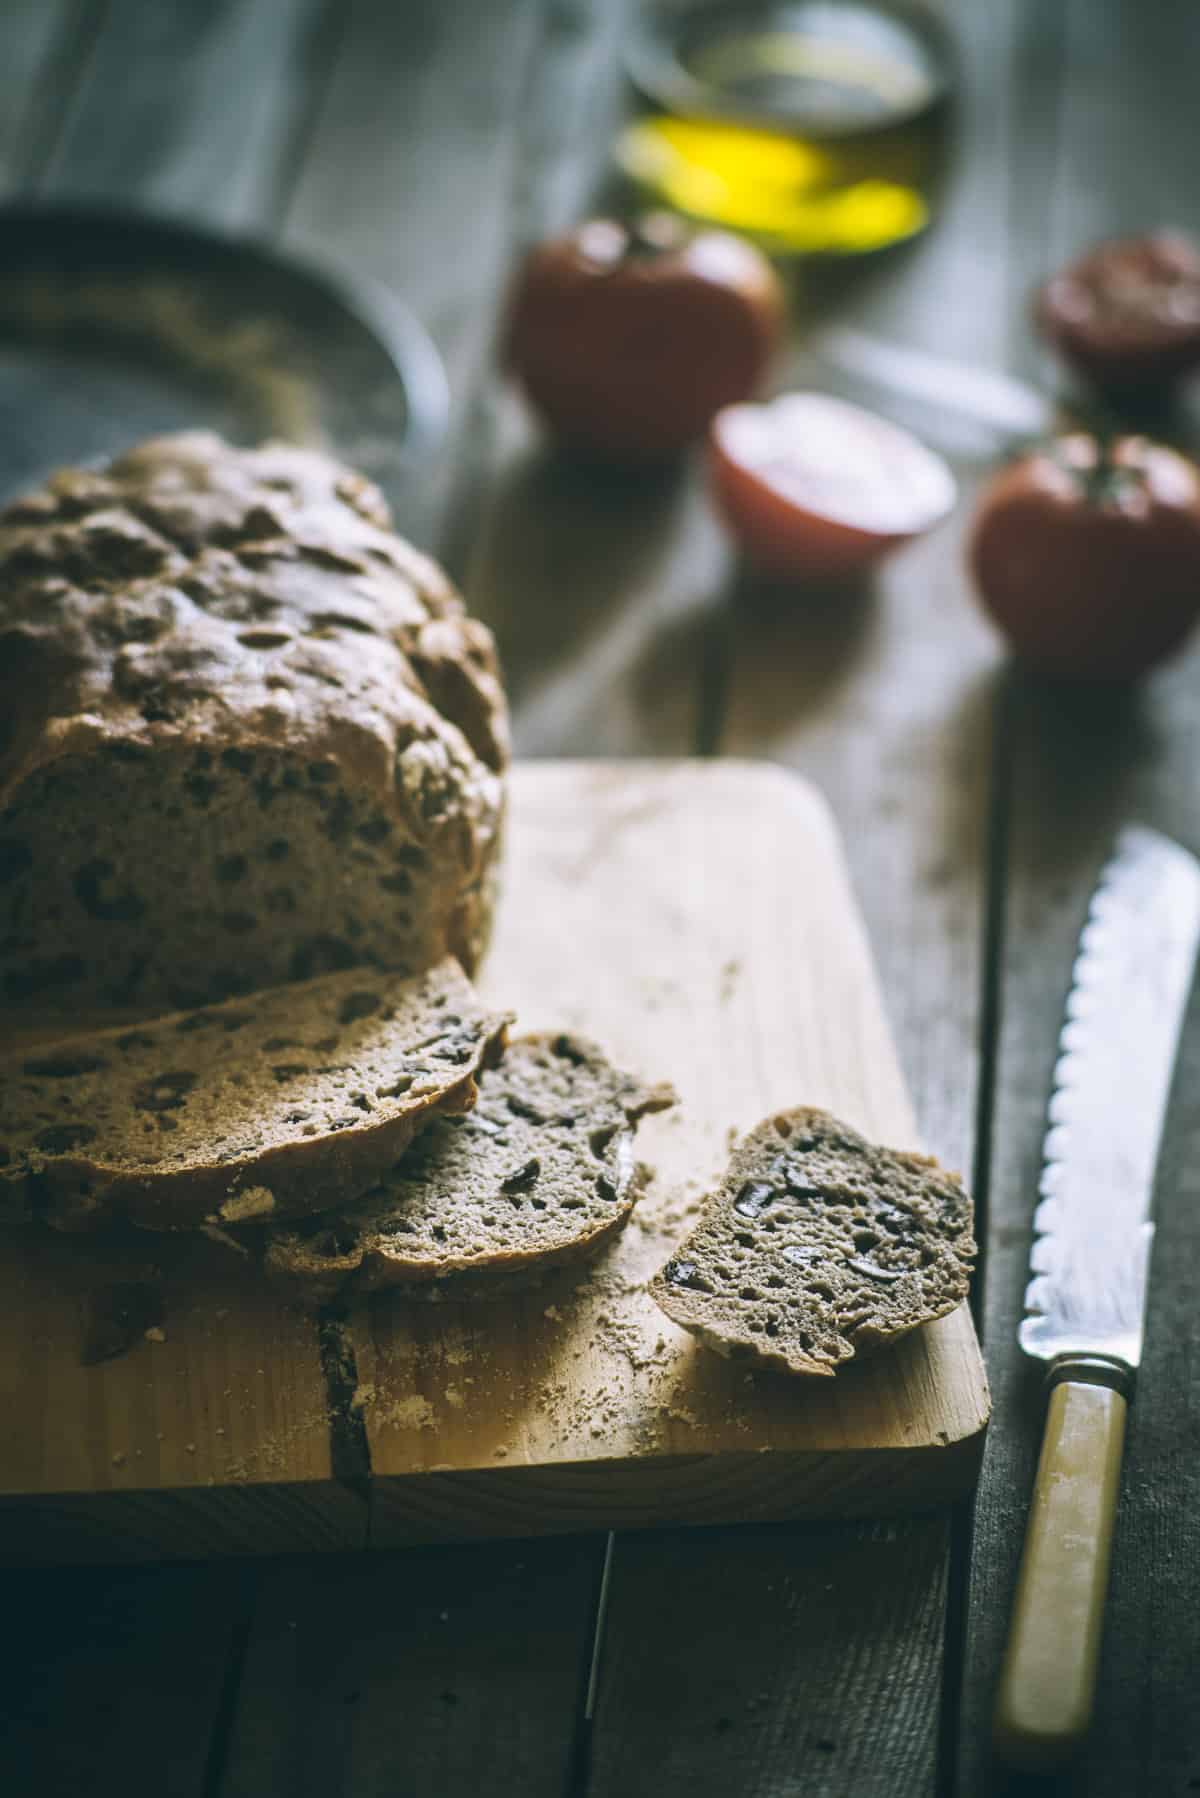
[247,733]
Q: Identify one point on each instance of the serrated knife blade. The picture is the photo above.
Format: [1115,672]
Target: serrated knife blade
[1129,992]
[1086,1299]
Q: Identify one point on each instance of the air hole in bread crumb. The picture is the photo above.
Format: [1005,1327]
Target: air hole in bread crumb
[63,1067]
[600,1138]
[60,1138]
[334,1243]
[396,1090]
[264,639]
[358,1005]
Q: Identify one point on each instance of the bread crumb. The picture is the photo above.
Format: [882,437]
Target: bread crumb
[118,1459]
[255,1201]
[411,1413]
[155,1333]
[500,1453]
[681,1414]
[212,1230]
[190,1447]
[454,1397]
[553,1313]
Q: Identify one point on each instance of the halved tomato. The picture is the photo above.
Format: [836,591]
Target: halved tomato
[812,486]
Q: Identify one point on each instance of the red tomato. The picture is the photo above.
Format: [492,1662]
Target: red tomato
[813,486]
[1088,557]
[628,340]
[1127,314]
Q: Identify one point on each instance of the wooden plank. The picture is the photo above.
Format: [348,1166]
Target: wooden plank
[434,157]
[209,99]
[181,107]
[114,1680]
[724,954]
[623,666]
[43,44]
[883,696]
[570,116]
[409,174]
[600,591]
[193,107]
[601,587]
[711,1716]
[1081,767]
[449,1670]
[884,702]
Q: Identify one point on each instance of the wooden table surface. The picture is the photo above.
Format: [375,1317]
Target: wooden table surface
[427,140]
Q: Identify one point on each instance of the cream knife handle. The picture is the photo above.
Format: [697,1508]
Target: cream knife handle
[1044,1705]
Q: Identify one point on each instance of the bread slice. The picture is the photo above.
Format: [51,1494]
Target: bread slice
[540,1172]
[818,1247]
[263,1106]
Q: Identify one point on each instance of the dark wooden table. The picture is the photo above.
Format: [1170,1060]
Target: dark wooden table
[427,140]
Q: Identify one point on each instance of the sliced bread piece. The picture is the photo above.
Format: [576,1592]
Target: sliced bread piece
[260,1107]
[540,1172]
[818,1247]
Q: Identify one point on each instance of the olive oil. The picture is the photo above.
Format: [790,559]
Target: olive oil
[813,127]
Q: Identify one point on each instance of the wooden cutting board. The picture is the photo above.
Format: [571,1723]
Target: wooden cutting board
[696,918]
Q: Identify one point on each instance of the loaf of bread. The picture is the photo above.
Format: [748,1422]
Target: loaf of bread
[247,734]
[255,1108]
[539,1173]
[818,1247]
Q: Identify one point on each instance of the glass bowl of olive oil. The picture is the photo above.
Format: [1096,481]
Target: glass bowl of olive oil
[814,126]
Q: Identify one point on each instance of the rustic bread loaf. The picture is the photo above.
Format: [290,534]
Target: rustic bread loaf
[247,734]
[818,1246]
[260,1107]
[540,1172]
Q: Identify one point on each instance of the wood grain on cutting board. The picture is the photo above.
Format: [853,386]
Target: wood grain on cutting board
[695,917]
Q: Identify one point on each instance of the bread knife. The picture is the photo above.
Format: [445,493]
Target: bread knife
[1086,1299]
